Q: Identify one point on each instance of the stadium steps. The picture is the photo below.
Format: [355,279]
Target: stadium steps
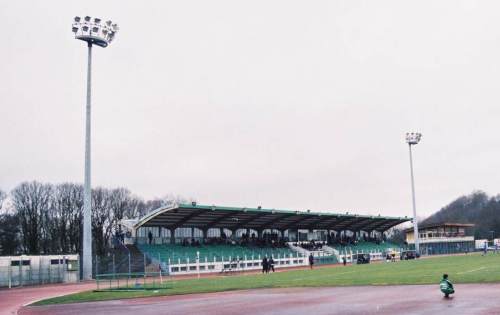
[117,260]
[137,259]
[332,252]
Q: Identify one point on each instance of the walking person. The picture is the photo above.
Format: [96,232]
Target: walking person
[271,263]
[311,260]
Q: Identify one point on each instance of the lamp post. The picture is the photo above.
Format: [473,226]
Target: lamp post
[413,138]
[93,32]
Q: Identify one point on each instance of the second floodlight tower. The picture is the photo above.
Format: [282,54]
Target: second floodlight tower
[93,32]
[413,138]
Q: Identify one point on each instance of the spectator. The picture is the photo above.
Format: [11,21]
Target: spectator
[311,260]
[271,263]
[150,237]
[265,266]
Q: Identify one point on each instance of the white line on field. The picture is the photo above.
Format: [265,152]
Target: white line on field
[322,276]
[473,270]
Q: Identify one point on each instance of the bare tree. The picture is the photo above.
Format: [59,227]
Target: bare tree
[3,196]
[102,219]
[31,201]
[9,234]
[136,209]
[120,202]
[66,217]
[166,200]
[48,218]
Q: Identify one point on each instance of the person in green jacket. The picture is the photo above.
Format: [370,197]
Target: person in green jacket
[446,286]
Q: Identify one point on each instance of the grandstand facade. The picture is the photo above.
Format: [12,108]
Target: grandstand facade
[443,238]
[185,238]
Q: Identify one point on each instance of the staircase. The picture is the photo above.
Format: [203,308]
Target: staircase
[298,249]
[137,259]
[332,251]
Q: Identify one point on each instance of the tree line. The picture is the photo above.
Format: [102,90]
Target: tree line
[42,218]
[477,208]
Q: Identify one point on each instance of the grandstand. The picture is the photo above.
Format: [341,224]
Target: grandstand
[191,238]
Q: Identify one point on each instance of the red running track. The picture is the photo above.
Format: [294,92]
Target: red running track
[12,299]
[416,299]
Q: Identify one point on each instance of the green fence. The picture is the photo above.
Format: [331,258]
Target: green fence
[130,281]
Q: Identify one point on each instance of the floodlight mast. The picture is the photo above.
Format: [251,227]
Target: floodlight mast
[93,32]
[413,138]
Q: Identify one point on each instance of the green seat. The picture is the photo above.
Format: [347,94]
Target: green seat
[177,253]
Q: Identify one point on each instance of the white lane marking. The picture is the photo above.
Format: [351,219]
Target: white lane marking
[319,276]
[473,270]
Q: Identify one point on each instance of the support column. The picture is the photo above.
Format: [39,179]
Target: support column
[87,199]
[204,234]
[172,236]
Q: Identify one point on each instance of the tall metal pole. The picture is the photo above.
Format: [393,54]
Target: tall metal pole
[87,211]
[415,224]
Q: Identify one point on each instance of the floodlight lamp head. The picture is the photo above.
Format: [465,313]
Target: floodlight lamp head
[413,138]
[93,32]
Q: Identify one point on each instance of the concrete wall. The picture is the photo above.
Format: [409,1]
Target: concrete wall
[34,270]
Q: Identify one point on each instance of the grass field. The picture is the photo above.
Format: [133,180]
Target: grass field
[462,269]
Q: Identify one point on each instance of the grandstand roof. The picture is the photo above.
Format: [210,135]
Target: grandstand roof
[204,217]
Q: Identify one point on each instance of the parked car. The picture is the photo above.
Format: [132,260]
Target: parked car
[409,254]
[361,258]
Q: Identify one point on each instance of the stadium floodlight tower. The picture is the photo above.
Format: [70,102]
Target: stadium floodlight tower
[413,138]
[93,32]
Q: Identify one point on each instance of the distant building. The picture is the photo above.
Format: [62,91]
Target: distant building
[443,238]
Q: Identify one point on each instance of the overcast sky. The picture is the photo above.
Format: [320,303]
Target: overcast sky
[284,104]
